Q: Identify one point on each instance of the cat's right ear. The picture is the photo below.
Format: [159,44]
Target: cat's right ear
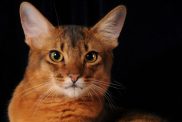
[34,24]
[109,27]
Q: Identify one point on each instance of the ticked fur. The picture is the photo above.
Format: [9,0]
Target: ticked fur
[47,92]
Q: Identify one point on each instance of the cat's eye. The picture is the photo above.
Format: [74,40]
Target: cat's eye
[91,57]
[56,56]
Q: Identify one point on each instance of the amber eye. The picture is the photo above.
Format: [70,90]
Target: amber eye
[56,56]
[91,57]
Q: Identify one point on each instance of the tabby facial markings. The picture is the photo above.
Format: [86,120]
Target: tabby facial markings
[74,33]
[62,47]
[59,75]
[86,47]
[74,48]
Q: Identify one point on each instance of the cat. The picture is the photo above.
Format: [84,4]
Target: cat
[68,71]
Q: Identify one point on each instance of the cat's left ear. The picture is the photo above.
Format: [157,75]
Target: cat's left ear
[108,29]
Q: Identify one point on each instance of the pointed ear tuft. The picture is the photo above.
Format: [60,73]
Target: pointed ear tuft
[33,22]
[110,26]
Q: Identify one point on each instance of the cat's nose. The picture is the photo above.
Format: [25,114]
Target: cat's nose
[74,77]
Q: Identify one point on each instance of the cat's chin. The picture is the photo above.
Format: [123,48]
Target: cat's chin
[73,92]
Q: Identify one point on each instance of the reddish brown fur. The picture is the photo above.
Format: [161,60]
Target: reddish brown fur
[41,96]
[38,71]
[138,117]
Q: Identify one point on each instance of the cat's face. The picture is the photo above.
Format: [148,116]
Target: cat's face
[72,61]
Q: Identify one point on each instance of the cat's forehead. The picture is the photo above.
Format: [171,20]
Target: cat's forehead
[73,35]
[74,38]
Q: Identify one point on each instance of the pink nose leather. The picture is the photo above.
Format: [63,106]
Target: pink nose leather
[74,77]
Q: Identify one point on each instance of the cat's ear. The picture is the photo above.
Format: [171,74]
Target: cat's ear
[34,24]
[109,27]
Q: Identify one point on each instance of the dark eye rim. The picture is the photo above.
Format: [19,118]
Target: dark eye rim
[96,54]
[55,60]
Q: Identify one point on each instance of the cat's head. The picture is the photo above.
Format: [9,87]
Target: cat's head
[72,61]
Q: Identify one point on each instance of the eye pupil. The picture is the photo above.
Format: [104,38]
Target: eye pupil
[91,57]
[56,56]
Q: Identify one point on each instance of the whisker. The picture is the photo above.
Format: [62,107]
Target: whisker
[114,84]
[107,84]
[110,100]
[99,84]
[54,97]
[39,101]
[117,83]
[107,96]
[31,89]
[90,94]
[96,95]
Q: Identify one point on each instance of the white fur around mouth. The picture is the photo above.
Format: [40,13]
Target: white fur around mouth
[73,86]
[69,89]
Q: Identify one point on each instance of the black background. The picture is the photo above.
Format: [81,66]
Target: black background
[147,61]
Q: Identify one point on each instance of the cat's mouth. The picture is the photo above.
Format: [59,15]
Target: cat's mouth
[73,86]
[71,89]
